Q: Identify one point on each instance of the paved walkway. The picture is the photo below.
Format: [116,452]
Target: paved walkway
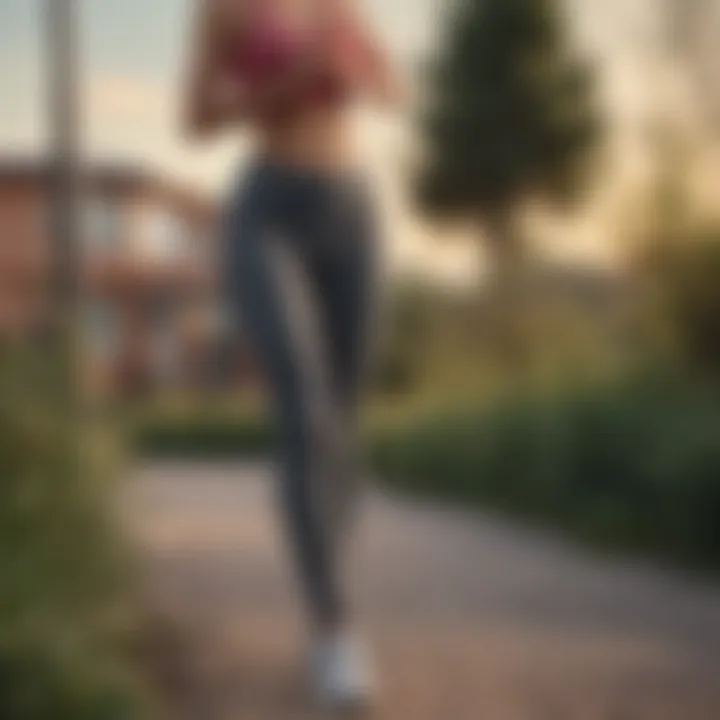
[471,618]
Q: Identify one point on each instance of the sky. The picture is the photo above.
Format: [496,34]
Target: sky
[132,53]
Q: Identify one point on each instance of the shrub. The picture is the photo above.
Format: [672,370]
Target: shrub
[246,433]
[635,463]
[683,275]
[61,593]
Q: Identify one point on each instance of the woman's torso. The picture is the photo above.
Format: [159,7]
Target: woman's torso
[312,126]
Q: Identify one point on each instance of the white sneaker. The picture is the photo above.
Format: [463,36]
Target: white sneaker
[341,673]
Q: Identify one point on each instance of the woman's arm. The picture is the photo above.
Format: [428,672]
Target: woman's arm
[377,77]
[383,82]
[212,96]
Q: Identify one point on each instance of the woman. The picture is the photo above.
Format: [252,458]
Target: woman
[299,262]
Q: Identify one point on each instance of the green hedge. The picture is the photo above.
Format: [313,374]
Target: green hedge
[635,464]
[203,434]
[62,613]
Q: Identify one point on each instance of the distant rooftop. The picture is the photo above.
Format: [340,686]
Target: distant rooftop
[108,177]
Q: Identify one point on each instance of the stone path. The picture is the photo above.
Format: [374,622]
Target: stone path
[471,618]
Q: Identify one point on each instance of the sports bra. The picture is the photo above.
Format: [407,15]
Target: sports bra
[268,49]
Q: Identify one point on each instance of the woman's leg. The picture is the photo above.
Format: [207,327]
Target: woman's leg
[273,285]
[347,290]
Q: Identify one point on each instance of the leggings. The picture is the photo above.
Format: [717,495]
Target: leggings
[300,270]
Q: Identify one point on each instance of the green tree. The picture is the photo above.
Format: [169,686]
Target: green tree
[510,119]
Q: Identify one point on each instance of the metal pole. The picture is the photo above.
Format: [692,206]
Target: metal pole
[63,162]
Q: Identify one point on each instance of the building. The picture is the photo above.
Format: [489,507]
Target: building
[148,287]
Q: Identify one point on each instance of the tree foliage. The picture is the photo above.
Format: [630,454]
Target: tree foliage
[511,113]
